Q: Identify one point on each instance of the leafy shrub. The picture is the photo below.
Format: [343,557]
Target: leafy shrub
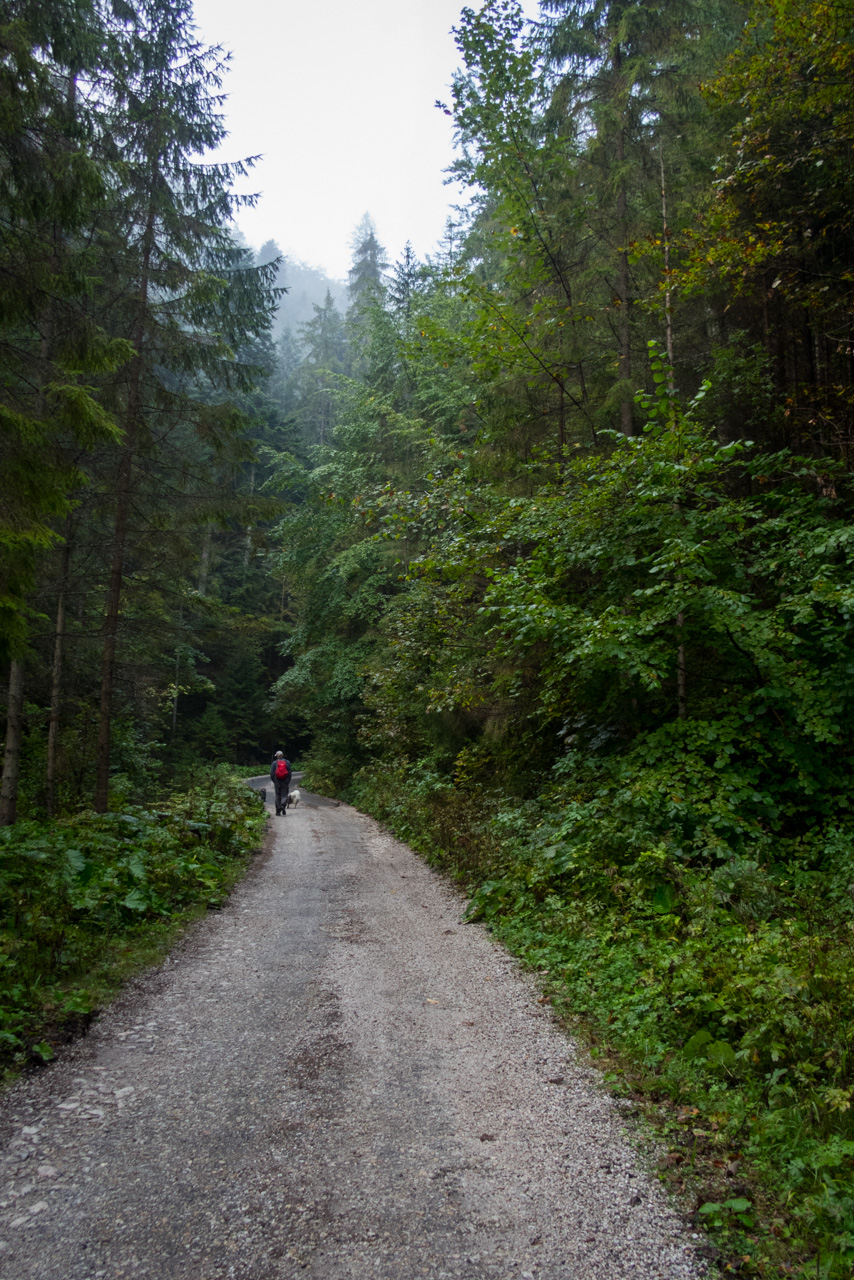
[724,986]
[70,889]
[654,646]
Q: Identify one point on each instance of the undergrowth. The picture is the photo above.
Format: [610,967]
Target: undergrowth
[716,989]
[87,899]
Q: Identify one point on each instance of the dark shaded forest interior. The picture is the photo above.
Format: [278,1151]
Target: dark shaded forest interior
[539,550]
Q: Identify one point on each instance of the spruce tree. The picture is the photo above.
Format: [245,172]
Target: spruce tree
[369,265]
[405,277]
[623,81]
[49,189]
[50,348]
[183,292]
[325,360]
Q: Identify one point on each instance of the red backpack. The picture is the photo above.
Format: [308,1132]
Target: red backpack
[281,769]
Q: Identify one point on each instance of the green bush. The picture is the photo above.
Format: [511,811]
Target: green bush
[722,984]
[72,890]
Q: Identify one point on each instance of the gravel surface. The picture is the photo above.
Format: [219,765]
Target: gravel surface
[332,1077]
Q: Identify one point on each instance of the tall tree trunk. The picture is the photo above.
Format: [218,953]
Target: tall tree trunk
[55,701]
[111,628]
[59,631]
[623,280]
[120,528]
[177,673]
[175,695]
[681,674]
[56,678]
[205,560]
[12,755]
[665,234]
[247,543]
[626,413]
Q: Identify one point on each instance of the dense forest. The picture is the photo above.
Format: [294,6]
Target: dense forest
[539,550]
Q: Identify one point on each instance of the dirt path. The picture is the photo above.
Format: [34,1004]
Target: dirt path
[332,1077]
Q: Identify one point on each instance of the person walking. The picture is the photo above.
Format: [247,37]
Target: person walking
[280,776]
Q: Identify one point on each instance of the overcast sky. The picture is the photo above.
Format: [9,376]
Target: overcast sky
[338,98]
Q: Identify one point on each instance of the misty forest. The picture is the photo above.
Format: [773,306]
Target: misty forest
[538,550]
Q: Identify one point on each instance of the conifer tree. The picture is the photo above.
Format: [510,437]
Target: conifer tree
[184,294]
[623,79]
[50,188]
[367,291]
[404,281]
[325,344]
[369,265]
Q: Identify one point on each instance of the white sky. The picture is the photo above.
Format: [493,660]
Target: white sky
[338,98]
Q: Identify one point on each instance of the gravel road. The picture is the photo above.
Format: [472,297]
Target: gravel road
[334,1078]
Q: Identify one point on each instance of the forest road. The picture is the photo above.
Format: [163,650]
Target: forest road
[332,1077]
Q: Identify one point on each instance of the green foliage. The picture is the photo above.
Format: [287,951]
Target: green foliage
[51,345]
[74,893]
[684,878]
[726,992]
[776,240]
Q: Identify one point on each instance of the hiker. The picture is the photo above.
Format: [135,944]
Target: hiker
[280,776]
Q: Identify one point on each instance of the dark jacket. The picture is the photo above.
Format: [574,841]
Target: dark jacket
[273,771]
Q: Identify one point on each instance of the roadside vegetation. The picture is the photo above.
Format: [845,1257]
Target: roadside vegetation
[716,995]
[683,885]
[89,899]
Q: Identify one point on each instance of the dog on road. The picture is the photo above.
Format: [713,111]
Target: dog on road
[293,798]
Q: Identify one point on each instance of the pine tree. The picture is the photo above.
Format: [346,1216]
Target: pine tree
[184,294]
[624,83]
[366,275]
[325,360]
[50,187]
[404,282]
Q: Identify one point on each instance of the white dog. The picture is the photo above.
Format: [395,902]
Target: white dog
[293,797]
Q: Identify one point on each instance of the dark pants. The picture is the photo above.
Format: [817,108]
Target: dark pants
[282,786]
